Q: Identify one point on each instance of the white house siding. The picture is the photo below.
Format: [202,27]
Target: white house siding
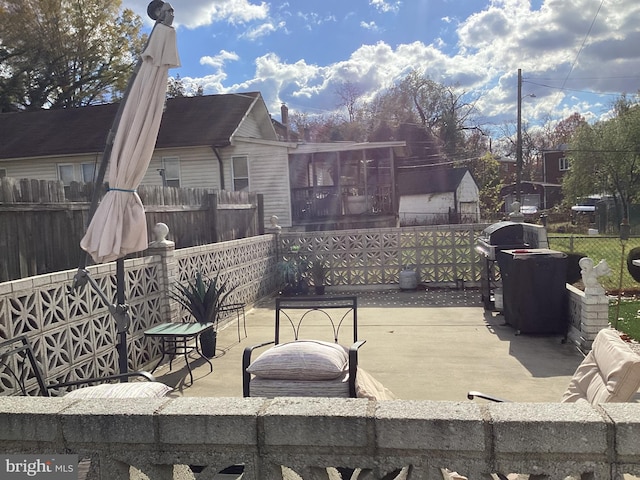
[268,175]
[198,167]
[37,169]
[249,128]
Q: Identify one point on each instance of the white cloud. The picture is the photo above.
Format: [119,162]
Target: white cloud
[262,30]
[218,61]
[369,26]
[384,6]
[489,47]
[199,13]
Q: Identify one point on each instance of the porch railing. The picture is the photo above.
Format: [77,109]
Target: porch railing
[319,202]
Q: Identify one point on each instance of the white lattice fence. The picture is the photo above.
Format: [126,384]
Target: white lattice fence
[249,264]
[440,255]
[73,334]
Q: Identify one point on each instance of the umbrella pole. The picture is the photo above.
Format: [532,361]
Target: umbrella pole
[122,326]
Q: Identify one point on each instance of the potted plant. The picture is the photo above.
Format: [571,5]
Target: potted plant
[203,298]
[319,274]
[292,269]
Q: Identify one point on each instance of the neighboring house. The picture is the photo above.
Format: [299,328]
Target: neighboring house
[554,165]
[435,195]
[344,184]
[507,168]
[223,142]
[545,194]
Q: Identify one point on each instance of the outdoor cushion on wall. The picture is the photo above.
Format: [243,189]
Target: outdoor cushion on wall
[122,390]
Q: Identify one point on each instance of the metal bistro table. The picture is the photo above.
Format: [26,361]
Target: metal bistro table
[239,309]
[175,341]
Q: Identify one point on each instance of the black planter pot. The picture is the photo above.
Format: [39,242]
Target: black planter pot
[208,343]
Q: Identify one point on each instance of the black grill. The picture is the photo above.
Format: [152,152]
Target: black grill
[504,236]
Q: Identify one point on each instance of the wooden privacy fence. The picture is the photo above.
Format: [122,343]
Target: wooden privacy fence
[42,222]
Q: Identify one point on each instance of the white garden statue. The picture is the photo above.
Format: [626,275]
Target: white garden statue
[590,274]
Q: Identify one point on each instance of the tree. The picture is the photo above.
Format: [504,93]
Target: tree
[175,87]
[566,128]
[605,157]
[65,53]
[442,110]
[349,94]
[486,172]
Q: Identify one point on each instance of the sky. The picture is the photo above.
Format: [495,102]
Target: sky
[575,56]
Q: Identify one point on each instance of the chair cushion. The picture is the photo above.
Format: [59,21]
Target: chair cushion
[265,387]
[122,390]
[609,373]
[301,360]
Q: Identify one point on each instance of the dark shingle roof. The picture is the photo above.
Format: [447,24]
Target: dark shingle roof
[187,121]
[421,180]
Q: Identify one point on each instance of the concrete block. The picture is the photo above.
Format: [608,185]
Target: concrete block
[430,425]
[552,428]
[129,421]
[30,419]
[214,421]
[317,422]
[626,419]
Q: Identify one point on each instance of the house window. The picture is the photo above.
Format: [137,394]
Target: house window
[171,172]
[563,164]
[66,173]
[240,173]
[3,172]
[88,172]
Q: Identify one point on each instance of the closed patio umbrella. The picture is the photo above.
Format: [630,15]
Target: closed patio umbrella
[118,224]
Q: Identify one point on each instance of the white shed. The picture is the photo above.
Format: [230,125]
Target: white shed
[435,195]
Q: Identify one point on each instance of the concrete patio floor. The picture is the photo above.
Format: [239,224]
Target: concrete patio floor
[423,345]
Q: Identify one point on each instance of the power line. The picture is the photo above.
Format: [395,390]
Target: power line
[571,89]
[595,78]
[584,41]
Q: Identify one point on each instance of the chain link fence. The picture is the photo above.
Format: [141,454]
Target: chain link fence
[601,247]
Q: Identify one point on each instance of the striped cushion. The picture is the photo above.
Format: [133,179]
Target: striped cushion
[122,390]
[263,387]
[301,360]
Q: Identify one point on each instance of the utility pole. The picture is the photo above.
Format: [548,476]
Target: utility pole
[519,140]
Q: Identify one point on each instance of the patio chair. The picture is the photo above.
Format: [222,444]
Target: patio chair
[20,373]
[306,367]
[609,373]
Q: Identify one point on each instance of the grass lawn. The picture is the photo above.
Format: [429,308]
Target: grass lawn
[628,318]
[609,248]
[599,247]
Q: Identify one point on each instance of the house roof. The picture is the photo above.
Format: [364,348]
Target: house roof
[421,180]
[187,121]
